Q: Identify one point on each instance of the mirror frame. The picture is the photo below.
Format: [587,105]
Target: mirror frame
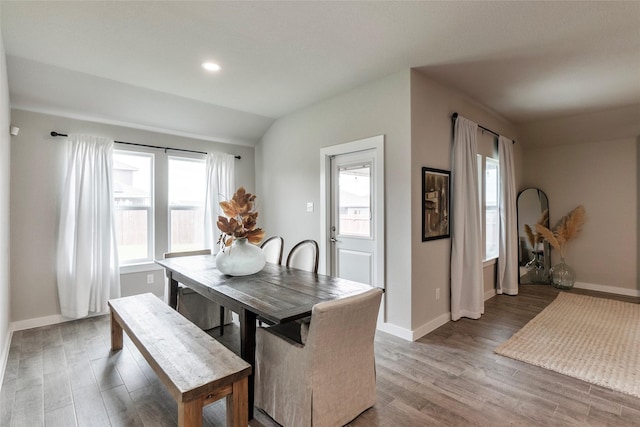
[546,246]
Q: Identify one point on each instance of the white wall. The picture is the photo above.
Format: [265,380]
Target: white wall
[432,106]
[602,176]
[5,154]
[288,171]
[35,176]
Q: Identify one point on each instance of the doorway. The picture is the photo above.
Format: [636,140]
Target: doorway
[352,211]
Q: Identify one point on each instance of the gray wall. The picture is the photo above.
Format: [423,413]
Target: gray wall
[35,177]
[432,106]
[288,171]
[5,154]
[592,160]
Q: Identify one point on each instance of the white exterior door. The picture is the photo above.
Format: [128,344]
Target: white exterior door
[352,226]
[352,206]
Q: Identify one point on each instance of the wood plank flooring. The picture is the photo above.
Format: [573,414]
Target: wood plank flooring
[65,375]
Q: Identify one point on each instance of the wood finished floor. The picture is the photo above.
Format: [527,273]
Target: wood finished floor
[65,375]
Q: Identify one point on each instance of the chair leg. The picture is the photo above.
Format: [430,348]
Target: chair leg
[221,320]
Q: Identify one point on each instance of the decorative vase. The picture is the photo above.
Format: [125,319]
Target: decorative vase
[562,276]
[536,270]
[241,259]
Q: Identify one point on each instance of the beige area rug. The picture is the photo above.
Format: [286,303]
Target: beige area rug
[594,339]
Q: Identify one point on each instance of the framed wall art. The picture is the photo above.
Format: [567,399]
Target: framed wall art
[435,204]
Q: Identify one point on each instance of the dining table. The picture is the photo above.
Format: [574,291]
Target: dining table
[275,295]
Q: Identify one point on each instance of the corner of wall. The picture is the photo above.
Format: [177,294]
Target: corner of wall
[5,151]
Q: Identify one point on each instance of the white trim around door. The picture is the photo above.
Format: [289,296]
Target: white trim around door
[375,143]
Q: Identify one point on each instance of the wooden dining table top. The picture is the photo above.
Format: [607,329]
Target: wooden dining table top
[276,294]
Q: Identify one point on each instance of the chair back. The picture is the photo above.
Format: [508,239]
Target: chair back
[341,340]
[304,256]
[187,253]
[346,322]
[272,248]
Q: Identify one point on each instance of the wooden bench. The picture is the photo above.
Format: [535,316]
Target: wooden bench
[195,368]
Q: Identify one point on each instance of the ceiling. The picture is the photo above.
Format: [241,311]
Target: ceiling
[527,61]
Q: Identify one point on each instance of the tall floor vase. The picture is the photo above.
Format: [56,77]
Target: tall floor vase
[562,275]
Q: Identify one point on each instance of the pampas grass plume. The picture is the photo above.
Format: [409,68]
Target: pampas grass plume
[568,228]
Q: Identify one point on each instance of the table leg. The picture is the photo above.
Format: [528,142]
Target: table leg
[116,334]
[173,292]
[248,348]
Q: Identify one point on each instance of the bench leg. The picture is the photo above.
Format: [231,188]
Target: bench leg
[237,404]
[116,334]
[190,413]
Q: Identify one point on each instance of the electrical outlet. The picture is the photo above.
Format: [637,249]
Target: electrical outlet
[149,279]
[309,206]
[437,293]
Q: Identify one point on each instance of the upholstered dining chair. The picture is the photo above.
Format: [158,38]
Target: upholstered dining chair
[304,256]
[204,313]
[272,248]
[321,373]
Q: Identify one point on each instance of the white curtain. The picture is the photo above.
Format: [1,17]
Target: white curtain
[508,259]
[87,259]
[220,187]
[467,291]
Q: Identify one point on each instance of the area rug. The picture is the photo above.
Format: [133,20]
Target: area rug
[594,339]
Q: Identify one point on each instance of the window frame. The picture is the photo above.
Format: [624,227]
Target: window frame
[160,230]
[181,207]
[482,159]
[487,207]
[150,209]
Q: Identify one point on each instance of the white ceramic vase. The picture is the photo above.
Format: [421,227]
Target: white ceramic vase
[241,259]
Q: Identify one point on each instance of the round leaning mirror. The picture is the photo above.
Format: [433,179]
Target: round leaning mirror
[533,253]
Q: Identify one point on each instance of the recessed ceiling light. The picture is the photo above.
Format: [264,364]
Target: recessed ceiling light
[210,66]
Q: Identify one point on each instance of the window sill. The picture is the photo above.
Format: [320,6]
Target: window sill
[139,268]
[489,262]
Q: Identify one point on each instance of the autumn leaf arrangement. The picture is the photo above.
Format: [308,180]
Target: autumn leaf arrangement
[239,220]
[567,229]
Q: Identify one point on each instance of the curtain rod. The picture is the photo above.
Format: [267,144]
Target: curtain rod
[455,116]
[54,133]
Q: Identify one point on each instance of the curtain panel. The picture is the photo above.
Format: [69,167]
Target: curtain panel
[507,280]
[87,260]
[220,187]
[467,292]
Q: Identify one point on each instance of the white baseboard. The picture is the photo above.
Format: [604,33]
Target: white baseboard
[608,289]
[394,330]
[423,330]
[431,326]
[409,335]
[44,321]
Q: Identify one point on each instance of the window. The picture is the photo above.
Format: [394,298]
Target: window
[491,208]
[133,201]
[489,190]
[187,188]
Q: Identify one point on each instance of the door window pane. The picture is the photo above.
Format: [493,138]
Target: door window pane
[133,200]
[354,201]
